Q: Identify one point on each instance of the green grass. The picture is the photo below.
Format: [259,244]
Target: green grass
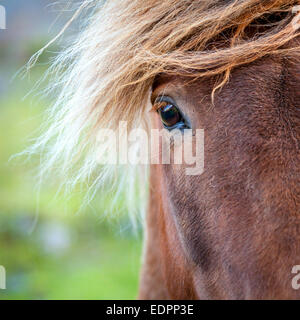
[65,255]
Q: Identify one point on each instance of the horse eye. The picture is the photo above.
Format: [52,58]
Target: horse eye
[170,115]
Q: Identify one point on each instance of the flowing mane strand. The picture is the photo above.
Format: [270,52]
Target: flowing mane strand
[106,75]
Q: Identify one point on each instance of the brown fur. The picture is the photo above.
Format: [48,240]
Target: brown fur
[234,231]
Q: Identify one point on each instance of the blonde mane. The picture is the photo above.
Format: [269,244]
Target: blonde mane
[106,75]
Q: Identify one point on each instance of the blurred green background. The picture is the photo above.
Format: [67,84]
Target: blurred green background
[49,249]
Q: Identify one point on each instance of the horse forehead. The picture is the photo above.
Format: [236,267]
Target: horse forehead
[242,79]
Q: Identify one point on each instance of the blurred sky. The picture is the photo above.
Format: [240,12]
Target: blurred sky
[30,25]
[26,19]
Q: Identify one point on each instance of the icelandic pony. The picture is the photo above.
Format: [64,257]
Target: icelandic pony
[230,68]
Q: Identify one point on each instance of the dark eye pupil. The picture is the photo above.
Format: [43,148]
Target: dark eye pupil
[169,115]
